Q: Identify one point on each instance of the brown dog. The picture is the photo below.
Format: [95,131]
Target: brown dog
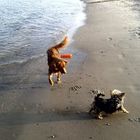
[56,64]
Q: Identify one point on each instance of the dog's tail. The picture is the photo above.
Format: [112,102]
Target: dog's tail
[62,43]
[97,97]
[98,93]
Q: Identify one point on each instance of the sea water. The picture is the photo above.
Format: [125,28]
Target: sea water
[29,27]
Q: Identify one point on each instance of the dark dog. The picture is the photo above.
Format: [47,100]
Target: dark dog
[108,106]
[56,64]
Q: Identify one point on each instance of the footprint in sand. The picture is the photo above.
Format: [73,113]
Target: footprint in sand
[75,88]
[121,56]
[120,70]
[137,120]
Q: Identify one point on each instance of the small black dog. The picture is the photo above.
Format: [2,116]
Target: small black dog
[108,106]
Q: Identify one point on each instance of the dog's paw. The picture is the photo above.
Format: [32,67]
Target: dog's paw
[100,117]
[125,111]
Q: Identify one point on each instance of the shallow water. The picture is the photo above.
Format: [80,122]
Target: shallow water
[134,6]
[29,27]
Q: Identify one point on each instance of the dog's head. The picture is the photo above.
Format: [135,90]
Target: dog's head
[119,96]
[58,65]
[61,65]
[117,93]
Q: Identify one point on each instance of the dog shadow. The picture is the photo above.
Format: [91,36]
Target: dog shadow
[34,118]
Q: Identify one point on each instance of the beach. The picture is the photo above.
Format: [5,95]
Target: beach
[105,57]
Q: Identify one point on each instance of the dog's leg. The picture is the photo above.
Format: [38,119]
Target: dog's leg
[59,77]
[50,79]
[90,110]
[124,110]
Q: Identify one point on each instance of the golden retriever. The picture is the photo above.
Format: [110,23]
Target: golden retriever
[56,64]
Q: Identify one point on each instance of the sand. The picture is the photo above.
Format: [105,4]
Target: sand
[105,57]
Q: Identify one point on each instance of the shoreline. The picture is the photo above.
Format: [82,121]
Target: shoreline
[46,31]
[105,57]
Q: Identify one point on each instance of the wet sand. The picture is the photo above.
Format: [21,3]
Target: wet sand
[105,57]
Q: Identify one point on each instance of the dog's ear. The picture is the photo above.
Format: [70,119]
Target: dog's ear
[122,94]
[112,93]
[62,63]
[66,61]
[115,92]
